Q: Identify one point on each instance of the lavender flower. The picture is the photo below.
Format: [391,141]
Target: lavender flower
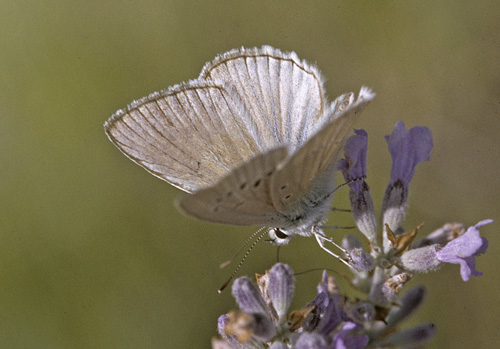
[333,320]
[281,288]
[391,268]
[354,165]
[463,249]
[323,323]
[263,308]
[345,340]
[408,149]
[311,340]
[354,169]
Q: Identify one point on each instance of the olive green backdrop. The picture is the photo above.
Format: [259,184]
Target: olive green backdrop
[93,253]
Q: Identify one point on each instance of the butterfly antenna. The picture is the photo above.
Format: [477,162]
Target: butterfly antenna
[316,269]
[229,261]
[346,183]
[219,291]
[334,209]
[336,227]
[337,188]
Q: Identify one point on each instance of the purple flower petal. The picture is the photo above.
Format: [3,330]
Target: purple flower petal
[407,149]
[332,316]
[311,341]
[344,339]
[354,165]
[312,320]
[323,285]
[463,249]
[221,323]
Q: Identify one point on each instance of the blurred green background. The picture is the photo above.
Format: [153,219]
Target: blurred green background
[93,253]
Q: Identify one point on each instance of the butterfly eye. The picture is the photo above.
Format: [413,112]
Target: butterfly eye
[278,236]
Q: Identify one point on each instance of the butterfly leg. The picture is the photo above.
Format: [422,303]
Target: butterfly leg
[321,239]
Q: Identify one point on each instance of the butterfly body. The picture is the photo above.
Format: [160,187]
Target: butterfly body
[253,140]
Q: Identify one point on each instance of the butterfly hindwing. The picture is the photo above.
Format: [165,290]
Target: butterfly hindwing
[242,197]
[303,175]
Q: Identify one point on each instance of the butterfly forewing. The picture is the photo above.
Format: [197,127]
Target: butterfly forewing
[191,135]
[283,94]
[297,179]
[241,198]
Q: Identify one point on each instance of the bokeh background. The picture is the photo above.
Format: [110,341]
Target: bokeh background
[93,253]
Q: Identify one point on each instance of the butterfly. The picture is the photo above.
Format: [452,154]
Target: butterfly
[253,140]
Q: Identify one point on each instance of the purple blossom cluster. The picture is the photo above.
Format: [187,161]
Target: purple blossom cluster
[332,320]
[263,322]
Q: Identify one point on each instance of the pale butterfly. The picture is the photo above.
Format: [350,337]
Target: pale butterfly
[253,140]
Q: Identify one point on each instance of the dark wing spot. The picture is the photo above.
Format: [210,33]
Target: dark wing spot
[229,194]
[243,185]
[270,173]
[297,218]
[287,197]
[283,187]
[257,183]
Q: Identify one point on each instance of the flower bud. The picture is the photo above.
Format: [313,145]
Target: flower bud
[409,303]
[362,261]
[415,337]
[421,259]
[281,288]
[248,296]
